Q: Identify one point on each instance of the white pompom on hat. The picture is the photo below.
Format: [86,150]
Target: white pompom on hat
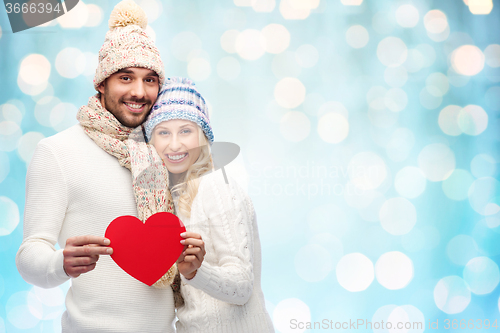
[127,44]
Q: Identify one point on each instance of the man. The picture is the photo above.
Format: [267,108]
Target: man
[75,188]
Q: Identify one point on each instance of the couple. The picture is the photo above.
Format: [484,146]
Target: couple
[81,179]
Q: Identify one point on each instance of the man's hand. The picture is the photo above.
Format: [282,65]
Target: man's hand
[192,256]
[82,252]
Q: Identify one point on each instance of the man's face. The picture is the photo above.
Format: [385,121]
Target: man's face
[129,94]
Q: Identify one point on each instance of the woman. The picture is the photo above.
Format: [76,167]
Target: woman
[224,294]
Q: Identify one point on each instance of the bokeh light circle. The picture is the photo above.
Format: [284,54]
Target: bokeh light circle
[452,294]
[76,18]
[277,38]
[483,193]
[35,69]
[394,270]
[95,15]
[313,263]
[70,62]
[27,145]
[407,16]
[398,216]
[9,216]
[19,314]
[290,309]
[410,182]
[290,92]
[333,127]
[483,165]
[250,44]
[437,161]
[392,51]
[468,60]
[263,6]
[482,275]
[228,40]
[435,21]
[448,120]
[4,166]
[357,36]
[11,112]
[492,55]
[472,120]
[10,134]
[355,272]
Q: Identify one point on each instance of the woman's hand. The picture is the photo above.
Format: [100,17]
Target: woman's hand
[192,256]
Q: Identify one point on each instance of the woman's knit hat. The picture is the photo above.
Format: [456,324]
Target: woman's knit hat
[127,44]
[179,99]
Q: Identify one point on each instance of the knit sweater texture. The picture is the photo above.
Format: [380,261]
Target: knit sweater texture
[74,188]
[225,295]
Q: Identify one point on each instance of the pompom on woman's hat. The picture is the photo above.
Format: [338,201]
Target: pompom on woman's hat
[127,44]
[179,99]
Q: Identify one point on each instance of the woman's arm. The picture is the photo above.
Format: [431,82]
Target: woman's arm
[230,218]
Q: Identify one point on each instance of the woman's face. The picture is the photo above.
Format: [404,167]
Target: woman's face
[177,142]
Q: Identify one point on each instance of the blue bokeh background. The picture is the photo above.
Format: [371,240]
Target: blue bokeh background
[369,135]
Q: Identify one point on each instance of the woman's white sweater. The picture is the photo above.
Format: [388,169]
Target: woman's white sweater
[225,295]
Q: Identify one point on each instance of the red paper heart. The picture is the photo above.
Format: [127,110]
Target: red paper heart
[147,250]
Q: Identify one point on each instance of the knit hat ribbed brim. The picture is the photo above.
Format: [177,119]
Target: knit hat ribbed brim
[179,99]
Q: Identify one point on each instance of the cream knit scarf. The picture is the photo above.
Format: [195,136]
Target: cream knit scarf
[149,174]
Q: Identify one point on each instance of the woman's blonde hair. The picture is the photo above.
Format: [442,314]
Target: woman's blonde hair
[188,187]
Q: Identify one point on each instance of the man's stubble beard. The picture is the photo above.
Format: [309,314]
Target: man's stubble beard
[114,107]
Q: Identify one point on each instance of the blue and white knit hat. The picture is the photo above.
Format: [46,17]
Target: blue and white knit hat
[179,99]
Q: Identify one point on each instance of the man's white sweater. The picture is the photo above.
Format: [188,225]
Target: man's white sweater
[75,188]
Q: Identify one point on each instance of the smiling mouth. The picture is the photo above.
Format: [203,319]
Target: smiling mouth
[176,158]
[135,107]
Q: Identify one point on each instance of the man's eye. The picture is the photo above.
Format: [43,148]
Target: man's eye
[151,80]
[125,78]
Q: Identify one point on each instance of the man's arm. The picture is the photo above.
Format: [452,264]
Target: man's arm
[37,260]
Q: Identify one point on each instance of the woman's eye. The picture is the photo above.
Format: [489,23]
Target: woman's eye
[186,131]
[163,132]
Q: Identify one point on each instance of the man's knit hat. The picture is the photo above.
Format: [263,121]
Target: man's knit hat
[127,44]
[179,99]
